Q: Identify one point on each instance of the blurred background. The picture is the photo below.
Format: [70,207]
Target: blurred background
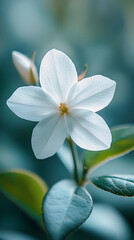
[99,33]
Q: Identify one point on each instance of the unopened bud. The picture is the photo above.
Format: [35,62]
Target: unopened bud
[82,75]
[25,67]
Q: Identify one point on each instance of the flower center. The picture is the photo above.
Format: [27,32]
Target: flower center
[63,108]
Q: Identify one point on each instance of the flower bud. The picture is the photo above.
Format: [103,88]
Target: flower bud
[25,67]
[82,75]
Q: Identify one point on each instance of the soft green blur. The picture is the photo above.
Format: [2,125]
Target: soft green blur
[99,33]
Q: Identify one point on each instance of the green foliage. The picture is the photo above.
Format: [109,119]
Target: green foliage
[25,189]
[87,32]
[105,223]
[66,206]
[65,155]
[122,185]
[122,143]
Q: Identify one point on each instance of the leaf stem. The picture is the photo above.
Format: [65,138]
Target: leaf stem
[75,159]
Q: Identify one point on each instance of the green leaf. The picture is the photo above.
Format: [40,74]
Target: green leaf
[65,155]
[122,143]
[122,185]
[25,189]
[65,207]
[105,223]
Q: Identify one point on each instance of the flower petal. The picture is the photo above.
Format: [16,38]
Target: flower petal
[48,136]
[88,130]
[92,93]
[57,75]
[31,103]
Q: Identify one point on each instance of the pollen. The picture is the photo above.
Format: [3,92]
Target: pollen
[63,108]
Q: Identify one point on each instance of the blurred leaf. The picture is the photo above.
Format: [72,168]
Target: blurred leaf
[122,185]
[25,189]
[122,143]
[6,235]
[105,223]
[65,207]
[65,155]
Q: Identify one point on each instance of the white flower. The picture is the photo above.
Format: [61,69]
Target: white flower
[25,67]
[63,106]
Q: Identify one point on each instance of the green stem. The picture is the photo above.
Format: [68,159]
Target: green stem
[75,159]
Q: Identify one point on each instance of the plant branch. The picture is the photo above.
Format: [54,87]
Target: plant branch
[75,159]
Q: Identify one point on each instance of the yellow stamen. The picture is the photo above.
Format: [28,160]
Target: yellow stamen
[63,108]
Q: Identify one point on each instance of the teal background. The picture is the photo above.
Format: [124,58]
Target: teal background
[97,32]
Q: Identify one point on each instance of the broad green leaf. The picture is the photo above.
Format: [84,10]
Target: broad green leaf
[65,207]
[105,223]
[65,155]
[122,185]
[122,143]
[25,189]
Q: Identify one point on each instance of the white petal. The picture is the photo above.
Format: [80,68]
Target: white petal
[48,136]
[57,74]
[88,130]
[31,103]
[23,64]
[92,93]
